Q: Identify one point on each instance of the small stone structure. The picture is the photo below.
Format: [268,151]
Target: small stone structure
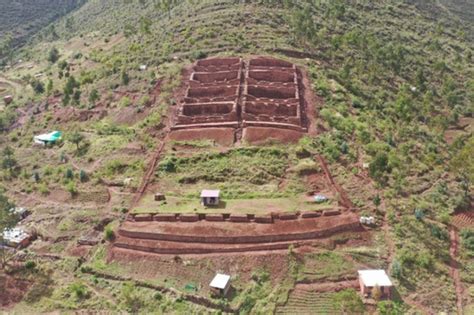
[369,279]
[160,197]
[8,99]
[220,285]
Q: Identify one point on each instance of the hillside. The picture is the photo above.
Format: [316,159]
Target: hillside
[20,19]
[389,94]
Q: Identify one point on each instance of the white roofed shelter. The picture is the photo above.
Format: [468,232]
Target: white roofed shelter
[368,279]
[16,237]
[220,285]
[210,197]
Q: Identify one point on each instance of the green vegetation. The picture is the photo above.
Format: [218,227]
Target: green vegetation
[255,205]
[394,80]
[328,266]
[8,220]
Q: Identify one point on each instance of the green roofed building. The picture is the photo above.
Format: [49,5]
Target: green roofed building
[47,138]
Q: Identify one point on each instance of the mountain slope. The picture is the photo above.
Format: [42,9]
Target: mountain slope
[395,79]
[20,19]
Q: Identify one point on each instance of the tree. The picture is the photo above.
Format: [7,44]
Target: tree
[396,269]
[8,220]
[49,87]
[37,86]
[377,200]
[83,176]
[379,166]
[53,55]
[69,174]
[124,77]
[145,24]
[71,84]
[8,159]
[463,161]
[93,96]
[77,96]
[76,138]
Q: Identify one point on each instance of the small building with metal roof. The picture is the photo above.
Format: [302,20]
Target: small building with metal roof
[369,279]
[210,197]
[220,285]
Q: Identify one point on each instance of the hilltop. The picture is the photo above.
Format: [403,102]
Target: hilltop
[389,90]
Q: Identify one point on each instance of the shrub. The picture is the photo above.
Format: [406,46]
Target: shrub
[124,77]
[439,233]
[69,174]
[83,177]
[94,96]
[30,265]
[348,301]
[168,164]
[199,54]
[43,189]
[419,214]
[379,165]
[37,86]
[79,290]
[53,55]
[109,233]
[467,236]
[260,276]
[125,101]
[71,188]
[389,308]
[396,269]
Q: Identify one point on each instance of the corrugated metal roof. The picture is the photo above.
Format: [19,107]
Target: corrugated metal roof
[210,193]
[371,278]
[220,281]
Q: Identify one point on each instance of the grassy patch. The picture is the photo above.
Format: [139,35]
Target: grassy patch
[251,206]
[326,265]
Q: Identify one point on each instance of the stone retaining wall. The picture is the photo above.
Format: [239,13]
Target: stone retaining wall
[230,217]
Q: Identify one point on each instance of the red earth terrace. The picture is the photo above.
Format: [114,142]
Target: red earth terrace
[233,98]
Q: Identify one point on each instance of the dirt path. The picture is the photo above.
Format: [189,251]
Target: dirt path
[345,201]
[16,85]
[89,169]
[454,266]
[149,172]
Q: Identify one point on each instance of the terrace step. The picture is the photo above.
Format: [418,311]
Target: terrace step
[175,248]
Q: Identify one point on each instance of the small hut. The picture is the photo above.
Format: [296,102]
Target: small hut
[210,197]
[48,138]
[369,279]
[220,285]
[16,237]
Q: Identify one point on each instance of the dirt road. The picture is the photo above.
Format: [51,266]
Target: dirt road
[454,267]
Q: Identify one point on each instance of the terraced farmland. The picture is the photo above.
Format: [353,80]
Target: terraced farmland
[303,301]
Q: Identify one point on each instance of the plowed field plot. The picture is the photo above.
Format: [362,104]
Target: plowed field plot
[303,301]
[330,266]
